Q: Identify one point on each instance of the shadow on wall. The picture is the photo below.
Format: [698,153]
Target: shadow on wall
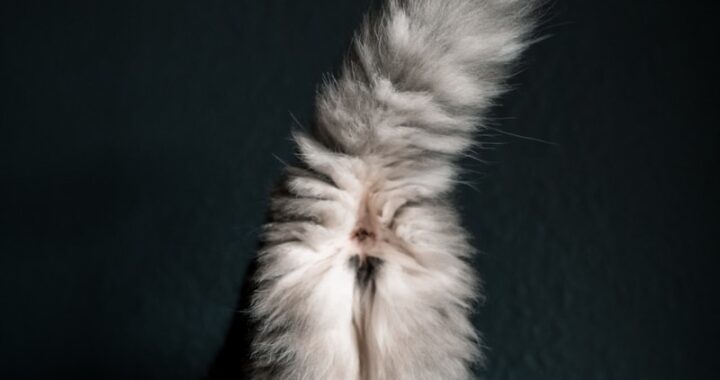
[233,360]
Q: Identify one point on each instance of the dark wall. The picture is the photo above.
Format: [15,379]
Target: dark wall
[139,140]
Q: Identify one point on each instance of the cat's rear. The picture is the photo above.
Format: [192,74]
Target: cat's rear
[364,271]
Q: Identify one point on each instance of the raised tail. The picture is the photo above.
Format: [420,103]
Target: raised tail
[420,76]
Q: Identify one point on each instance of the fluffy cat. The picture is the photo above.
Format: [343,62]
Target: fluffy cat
[363,271]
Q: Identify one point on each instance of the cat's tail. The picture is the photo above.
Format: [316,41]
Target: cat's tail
[416,83]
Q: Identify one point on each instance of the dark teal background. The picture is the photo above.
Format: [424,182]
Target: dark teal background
[139,139]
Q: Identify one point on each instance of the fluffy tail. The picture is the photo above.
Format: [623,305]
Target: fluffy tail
[419,77]
[363,274]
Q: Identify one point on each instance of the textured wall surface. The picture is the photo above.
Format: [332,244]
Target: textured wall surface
[139,140]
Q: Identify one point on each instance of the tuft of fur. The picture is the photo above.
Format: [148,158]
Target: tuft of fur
[363,272]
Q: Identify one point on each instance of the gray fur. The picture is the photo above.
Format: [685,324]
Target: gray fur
[364,271]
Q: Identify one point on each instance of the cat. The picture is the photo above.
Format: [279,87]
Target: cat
[363,271]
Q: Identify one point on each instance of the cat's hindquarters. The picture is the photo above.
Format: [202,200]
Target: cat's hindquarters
[364,268]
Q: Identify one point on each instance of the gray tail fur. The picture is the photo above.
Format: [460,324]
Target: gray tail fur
[420,75]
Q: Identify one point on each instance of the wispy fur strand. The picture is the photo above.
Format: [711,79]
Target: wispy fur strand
[363,270]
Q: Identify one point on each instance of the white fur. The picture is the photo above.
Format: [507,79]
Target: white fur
[363,271]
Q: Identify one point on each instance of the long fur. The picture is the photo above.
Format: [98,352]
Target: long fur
[363,272]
